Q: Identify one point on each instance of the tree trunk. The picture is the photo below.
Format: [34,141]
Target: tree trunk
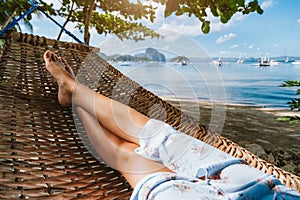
[89,9]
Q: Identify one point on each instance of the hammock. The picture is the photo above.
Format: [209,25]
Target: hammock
[41,153]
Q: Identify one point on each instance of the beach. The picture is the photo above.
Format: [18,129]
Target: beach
[254,128]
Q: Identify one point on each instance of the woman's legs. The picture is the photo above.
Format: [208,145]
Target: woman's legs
[110,138]
[116,152]
[118,118]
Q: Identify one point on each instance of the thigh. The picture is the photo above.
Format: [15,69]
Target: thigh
[131,165]
[116,152]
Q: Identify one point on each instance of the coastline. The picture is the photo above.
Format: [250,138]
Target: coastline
[252,127]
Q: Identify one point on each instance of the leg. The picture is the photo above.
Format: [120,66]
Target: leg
[118,118]
[118,153]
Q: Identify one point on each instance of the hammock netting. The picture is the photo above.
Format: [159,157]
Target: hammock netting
[41,153]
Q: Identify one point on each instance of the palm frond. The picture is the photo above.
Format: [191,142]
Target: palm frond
[290,83]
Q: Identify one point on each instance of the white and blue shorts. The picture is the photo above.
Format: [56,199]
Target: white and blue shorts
[200,171]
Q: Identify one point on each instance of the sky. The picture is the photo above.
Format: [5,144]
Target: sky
[274,33]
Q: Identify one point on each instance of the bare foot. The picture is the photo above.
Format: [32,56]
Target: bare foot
[64,80]
[67,67]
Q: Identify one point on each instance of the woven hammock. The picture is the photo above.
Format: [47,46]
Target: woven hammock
[41,153]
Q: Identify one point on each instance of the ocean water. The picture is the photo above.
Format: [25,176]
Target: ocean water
[234,83]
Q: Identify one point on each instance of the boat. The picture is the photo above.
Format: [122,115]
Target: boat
[240,61]
[287,59]
[217,62]
[184,62]
[274,62]
[296,62]
[125,64]
[264,62]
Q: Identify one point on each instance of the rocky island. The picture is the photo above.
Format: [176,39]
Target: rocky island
[150,55]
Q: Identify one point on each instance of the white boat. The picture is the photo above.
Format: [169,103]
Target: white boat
[274,62]
[267,62]
[287,59]
[217,62]
[264,62]
[184,62]
[240,61]
[296,62]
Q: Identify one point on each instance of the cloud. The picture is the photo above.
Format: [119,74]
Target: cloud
[267,4]
[226,53]
[298,20]
[251,46]
[189,27]
[225,38]
[234,46]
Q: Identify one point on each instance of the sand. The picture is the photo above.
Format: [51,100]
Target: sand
[254,128]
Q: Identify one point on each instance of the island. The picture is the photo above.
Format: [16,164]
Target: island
[150,55]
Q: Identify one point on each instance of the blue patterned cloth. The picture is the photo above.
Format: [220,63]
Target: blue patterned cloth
[200,170]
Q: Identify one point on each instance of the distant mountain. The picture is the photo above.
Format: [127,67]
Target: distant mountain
[180,59]
[153,55]
[150,54]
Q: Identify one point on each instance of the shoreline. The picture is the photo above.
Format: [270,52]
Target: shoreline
[252,127]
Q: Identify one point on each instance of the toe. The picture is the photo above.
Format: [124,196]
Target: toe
[67,66]
[53,57]
[50,56]
[47,55]
[60,59]
[64,62]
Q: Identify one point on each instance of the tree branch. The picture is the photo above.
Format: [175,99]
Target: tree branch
[67,20]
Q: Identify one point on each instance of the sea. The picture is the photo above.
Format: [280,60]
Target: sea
[230,83]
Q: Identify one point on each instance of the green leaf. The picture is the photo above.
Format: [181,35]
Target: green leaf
[290,119]
[224,19]
[290,83]
[205,27]
[259,10]
[294,104]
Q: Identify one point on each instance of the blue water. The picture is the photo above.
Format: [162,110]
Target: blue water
[231,83]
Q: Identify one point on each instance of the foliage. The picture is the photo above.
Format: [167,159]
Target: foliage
[294,104]
[290,83]
[120,17]
[289,119]
[9,9]
[117,17]
[219,8]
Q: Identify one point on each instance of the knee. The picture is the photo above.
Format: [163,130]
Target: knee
[125,156]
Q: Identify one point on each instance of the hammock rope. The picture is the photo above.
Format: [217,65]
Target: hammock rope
[41,153]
